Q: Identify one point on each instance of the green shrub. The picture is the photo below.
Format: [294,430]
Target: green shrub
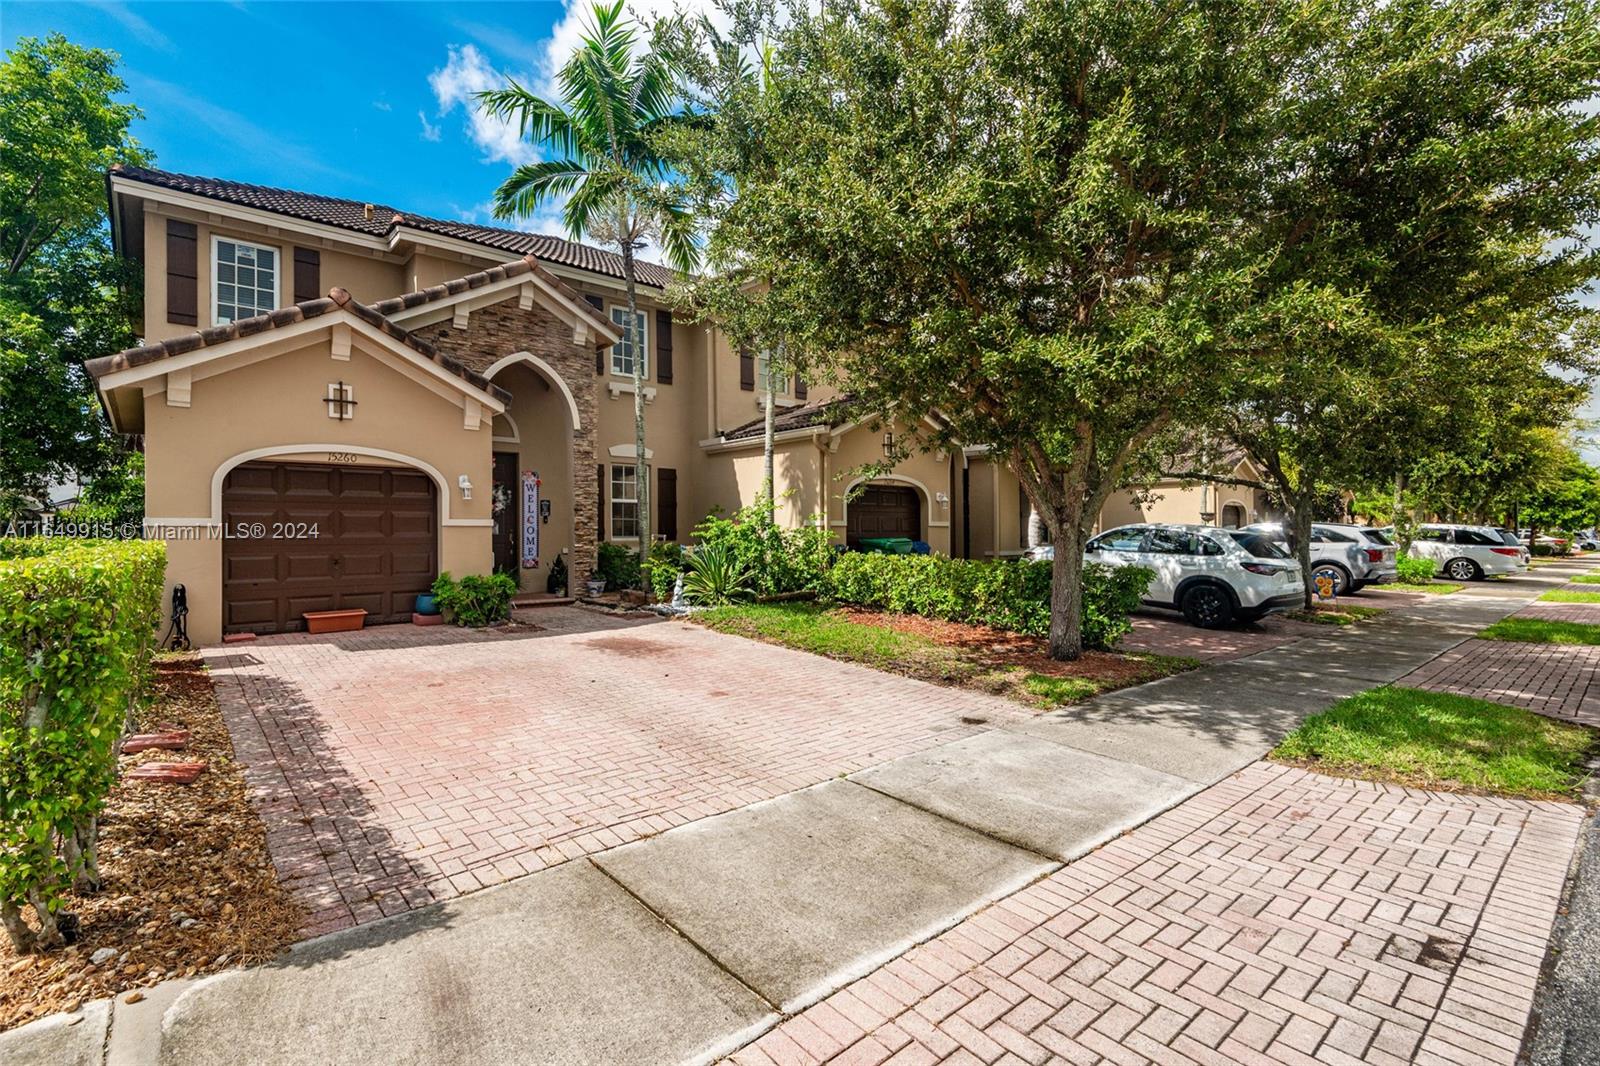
[1414,571]
[716,577]
[666,563]
[618,566]
[1006,595]
[77,631]
[476,600]
[779,560]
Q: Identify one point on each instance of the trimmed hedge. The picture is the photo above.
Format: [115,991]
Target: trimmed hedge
[77,632]
[1005,595]
[1415,570]
[476,600]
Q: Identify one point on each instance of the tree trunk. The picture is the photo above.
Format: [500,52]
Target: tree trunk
[1066,595]
[768,432]
[17,928]
[640,468]
[49,937]
[1301,514]
[1402,526]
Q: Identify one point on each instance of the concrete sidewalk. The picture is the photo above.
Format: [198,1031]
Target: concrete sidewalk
[685,946]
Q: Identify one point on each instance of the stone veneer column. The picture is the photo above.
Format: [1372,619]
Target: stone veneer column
[495,332]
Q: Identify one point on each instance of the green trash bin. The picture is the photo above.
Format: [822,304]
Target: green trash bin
[886,545]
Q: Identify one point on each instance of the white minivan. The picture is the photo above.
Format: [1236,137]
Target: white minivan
[1213,575]
[1465,553]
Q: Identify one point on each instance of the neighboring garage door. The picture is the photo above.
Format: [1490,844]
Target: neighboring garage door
[884,511]
[375,547]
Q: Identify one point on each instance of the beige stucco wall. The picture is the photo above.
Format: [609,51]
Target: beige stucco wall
[274,407]
[368,278]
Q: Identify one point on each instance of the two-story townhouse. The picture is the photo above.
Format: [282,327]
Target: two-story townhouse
[339,399]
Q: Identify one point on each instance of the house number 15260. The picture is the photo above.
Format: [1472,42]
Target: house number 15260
[343,457]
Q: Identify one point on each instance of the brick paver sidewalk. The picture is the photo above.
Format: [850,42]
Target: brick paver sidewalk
[1279,917]
[1559,680]
[397,766]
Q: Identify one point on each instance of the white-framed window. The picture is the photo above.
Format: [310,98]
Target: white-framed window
[782,384]
[624,501]
[244,279]
[635,341]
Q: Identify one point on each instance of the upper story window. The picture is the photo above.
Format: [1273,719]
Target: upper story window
[766,372]
[634,344]
[244,280]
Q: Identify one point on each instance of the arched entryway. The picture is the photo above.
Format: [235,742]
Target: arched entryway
[883,509]
[1232,515]
[533,471]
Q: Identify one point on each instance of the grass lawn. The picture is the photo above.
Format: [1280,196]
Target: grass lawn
[1587,579]
[1433,588]
[1339,614]
[1540,631]
[947,653]
[1570,596]
[1439,741]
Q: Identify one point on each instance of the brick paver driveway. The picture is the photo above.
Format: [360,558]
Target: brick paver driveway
[1280,917]
[397,766]
[1559,680]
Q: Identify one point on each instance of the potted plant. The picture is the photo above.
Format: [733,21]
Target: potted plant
[556,583]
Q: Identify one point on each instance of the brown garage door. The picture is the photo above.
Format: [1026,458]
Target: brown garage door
[884,511]
[375,546]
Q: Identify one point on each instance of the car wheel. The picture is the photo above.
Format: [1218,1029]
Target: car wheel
[1463,570]
[1207,606]
[1342,583]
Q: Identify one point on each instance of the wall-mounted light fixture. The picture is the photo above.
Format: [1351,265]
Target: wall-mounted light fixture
[466,487]
[942,499]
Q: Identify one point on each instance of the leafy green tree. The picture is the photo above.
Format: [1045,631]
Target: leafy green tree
[618,96]
[1006,214]
[1567,498]
[64,297]
[1413,248]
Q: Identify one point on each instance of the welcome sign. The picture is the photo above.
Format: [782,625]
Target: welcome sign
[530,519]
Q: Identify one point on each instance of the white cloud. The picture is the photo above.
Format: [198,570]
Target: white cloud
[383,105]
[466,73]
[146,33]
[430,132]
[568,33]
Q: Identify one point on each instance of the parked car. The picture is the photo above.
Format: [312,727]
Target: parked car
[1213,575]
[1354,556]
[1509,538]
[1586,541]
[1465,553]
[1040,553]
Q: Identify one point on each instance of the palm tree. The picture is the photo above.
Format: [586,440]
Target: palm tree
[616,101]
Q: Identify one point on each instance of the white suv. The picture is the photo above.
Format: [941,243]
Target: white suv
[1465,553]
[1353,556]
[1213,575]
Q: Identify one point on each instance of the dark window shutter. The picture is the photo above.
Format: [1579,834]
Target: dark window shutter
[183,273]
[664,347]
[747,370]
[599,304]
[667,503]
[600,501]
[799,387]
[307,274]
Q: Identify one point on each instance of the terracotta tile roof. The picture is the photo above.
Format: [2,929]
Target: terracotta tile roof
[528,264]
[352,215]
[829,413]
[300,312]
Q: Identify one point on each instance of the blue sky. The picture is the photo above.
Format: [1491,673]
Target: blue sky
[362,100]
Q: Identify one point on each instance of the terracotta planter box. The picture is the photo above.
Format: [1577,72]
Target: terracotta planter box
[334,621]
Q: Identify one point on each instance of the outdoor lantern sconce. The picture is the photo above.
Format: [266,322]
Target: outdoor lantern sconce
[466,487]
[942,499]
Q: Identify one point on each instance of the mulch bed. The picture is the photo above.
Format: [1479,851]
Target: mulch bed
[998,649]
[188,885]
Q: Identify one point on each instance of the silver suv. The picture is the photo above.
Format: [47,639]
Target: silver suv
[1353,556]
